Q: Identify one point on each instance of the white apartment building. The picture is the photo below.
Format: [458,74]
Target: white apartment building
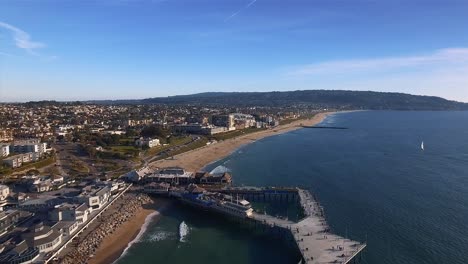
[70,212]
[95,196]
[28,145]
[4,150]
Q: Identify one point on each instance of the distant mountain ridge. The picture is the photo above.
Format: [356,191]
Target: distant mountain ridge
[338,99]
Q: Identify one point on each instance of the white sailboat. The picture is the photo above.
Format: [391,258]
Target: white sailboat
[422,145]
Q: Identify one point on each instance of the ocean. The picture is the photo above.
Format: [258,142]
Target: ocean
[375,182]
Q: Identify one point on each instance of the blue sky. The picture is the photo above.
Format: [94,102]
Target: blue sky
[105,49]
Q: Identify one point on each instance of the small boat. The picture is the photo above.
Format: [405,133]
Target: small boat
[422,145]
[183,231]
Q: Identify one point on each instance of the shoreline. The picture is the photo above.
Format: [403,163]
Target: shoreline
[115,245]
[197,159]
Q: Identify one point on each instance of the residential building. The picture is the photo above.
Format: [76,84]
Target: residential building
[224,121]
[17,161]
[42,237]
[95,196]
[28,145]
[198,129]
[70,212]
[6,135]
[15,252]
[4,192]
[66,228]
[8,219]
[4,150]
[147,142]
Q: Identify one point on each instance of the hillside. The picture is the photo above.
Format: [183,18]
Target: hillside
[316,98]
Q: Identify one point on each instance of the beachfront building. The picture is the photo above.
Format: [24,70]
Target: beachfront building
[137,175]
[94,196]
[66,228]
[242,121]
[16,252]
[70,212]
[42,237]
[211,179]
[171,175]
[198,129]
[226,121]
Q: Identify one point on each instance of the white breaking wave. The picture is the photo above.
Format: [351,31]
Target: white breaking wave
[220,169]
[140,234]
[160,236]
[183,231]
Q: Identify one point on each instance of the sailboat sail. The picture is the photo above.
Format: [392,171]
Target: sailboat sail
[422,145]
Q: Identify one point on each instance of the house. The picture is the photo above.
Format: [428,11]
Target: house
[147,142]
[69,212]
[95,196]
[38,183]
[66,228]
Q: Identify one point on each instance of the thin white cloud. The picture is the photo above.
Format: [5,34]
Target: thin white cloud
[439,58]
[6,54]
[240,10]
[22,39]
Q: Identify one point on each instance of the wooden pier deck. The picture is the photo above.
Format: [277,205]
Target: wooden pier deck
[312,234]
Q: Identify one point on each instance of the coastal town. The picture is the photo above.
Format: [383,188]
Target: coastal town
[74,173]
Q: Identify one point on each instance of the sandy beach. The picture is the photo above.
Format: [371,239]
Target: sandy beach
[114,245]
[197,159]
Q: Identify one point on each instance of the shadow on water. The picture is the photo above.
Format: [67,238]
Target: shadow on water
[212,238]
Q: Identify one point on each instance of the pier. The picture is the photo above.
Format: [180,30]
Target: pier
[311,235]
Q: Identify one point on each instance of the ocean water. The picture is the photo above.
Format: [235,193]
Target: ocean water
[373,179]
